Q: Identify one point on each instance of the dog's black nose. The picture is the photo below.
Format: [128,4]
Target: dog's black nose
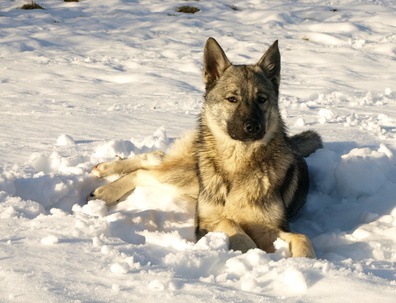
[252,126]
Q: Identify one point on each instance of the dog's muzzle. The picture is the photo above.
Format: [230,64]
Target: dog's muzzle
[252,126]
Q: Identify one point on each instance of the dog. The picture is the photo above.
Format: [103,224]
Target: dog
[246,177]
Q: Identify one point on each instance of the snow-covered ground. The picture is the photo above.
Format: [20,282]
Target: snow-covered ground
[83,82]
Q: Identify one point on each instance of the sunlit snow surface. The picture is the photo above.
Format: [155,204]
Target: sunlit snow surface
[83,82]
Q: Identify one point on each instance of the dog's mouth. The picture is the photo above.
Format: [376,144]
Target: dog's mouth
[249,138]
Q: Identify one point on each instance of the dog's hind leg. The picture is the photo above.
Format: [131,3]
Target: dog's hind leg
[176,171]
[111,193]
[299,244]
[175,174]
[125,166]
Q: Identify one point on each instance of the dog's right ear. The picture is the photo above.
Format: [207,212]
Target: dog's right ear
[215,62]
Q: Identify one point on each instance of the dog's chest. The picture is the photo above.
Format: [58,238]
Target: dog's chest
[238,181]
[238,189]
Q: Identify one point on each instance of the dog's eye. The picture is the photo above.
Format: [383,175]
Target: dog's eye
[232,99]
[262,99]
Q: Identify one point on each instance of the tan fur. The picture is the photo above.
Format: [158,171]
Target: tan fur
[299,244]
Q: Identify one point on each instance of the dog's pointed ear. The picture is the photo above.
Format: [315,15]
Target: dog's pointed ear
[270,63]
[215,62]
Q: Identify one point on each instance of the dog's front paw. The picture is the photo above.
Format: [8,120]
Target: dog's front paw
[241,242]
[301,246]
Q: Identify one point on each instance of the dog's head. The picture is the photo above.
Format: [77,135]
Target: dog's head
[241,100]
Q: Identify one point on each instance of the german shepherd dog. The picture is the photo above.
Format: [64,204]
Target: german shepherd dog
[246,176]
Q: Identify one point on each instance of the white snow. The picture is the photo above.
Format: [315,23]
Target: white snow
[49,240]
[84,82]
[64,140]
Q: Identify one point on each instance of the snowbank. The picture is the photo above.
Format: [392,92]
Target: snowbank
[350,216]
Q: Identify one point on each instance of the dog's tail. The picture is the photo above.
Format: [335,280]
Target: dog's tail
[307,142]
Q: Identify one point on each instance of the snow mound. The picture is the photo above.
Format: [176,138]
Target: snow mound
[364,171]
[65,140]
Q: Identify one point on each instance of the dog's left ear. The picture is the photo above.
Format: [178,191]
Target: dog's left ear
[215,62]
[270,63]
